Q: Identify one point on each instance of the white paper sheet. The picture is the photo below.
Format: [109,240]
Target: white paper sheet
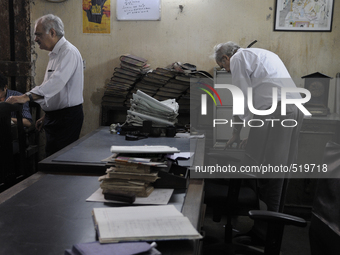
[162,222]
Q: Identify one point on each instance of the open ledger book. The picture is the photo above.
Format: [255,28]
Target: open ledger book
[142,223]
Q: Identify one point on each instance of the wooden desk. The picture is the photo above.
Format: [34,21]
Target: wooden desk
[47,213]
[86,154]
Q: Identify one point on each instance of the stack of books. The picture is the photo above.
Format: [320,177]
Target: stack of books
[117,90]
[177,86]
[174,88]
[169,86]
[186,81]
[154,80]
[169,83]
[130,176]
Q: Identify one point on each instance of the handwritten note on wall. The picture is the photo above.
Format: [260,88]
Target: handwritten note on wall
[138,9]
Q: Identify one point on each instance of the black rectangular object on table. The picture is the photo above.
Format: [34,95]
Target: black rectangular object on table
[175,177]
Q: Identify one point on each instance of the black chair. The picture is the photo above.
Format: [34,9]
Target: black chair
[12,146]
[239,197]
[32,138]
[255,154]
[275,227]
[230,197]
[240,194]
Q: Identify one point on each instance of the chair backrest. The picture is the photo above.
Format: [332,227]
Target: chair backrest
[325,222]
[33,135]
[35,111]
[11,135]
[327,201]
[32,139]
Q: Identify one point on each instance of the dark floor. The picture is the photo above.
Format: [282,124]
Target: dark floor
[295,240]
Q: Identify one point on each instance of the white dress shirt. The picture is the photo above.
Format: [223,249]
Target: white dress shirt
[64,78]
[262,70]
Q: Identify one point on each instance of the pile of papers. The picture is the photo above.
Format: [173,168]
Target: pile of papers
[130,176]
[144,107]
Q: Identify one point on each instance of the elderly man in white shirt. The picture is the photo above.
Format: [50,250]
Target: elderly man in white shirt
[61,93]
[272,143]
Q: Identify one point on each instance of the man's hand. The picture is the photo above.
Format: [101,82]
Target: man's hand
[243,144]
[236,134]
[40,123]
[234,139]
[18,99]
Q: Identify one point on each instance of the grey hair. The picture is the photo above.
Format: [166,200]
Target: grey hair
[51,21]
[228,48]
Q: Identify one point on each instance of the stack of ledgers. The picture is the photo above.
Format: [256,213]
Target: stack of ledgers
[156,80]
[144,107]
[117,90]
[172,82]
[187,76]
[164,83]
[131,175]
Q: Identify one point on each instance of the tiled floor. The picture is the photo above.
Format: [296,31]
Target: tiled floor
[295,240]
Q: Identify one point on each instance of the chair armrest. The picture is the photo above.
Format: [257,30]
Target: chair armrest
[269,216]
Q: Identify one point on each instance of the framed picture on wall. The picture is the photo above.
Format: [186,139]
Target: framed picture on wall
[304,15]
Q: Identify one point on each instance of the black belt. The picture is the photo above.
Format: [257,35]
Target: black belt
[64,110]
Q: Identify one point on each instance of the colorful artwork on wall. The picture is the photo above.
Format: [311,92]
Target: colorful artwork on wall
[96,16]
[304,15]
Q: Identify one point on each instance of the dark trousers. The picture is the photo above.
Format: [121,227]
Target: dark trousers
[62,127]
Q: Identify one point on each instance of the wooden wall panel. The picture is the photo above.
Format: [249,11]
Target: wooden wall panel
[15,43]
[4,31]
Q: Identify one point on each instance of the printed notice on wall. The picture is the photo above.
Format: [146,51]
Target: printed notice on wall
[138,9]
[96,16]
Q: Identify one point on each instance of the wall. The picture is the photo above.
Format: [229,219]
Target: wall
[187,36]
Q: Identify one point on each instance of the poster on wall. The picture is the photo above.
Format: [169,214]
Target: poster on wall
[96,16]
[304,15]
